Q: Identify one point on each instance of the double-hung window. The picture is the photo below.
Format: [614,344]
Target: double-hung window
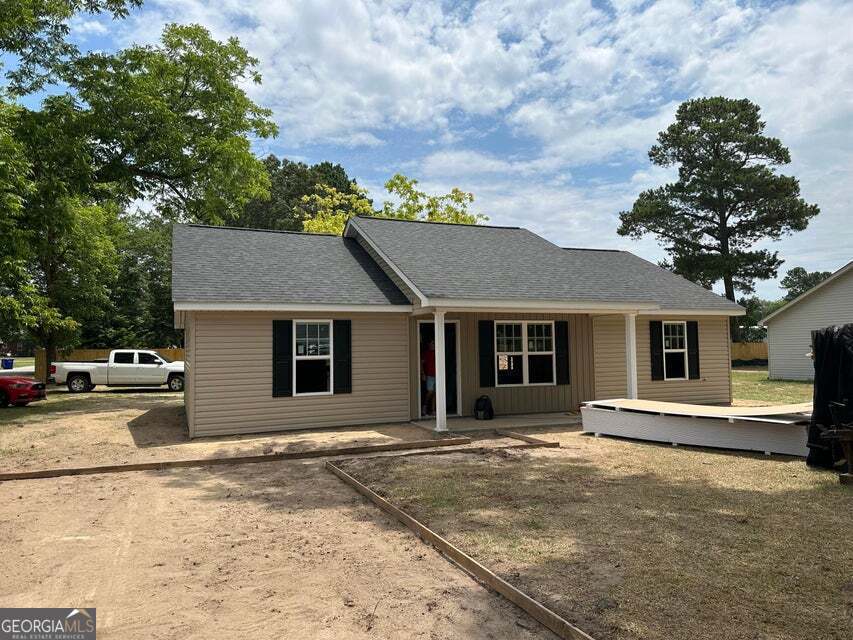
[675,351]
[312,357]
[525,353]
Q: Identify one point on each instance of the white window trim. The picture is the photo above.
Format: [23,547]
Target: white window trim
[524,353]
[683,323]
[329,357]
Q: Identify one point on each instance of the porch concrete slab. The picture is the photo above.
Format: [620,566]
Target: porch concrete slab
[512,423]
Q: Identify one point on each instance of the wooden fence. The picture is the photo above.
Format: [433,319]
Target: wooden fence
[92,354]
[749,351]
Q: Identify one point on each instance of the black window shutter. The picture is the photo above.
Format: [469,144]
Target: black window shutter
[486,330]
[561,350]
[693,349]
[656,344]
[282,358]
[342,330]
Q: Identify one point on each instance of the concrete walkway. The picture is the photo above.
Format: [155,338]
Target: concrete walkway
[509,423]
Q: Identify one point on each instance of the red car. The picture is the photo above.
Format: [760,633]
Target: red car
[20,391]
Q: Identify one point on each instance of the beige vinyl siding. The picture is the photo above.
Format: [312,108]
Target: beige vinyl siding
[713,387]
[513,400]
[789,335]
[188,322]
[611,374]
[233,375]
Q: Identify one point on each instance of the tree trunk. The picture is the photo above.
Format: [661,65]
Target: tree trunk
[734,320]
[49,356]
[728,279]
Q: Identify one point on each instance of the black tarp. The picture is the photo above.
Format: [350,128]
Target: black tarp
[833,383]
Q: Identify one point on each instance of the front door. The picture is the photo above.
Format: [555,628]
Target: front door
[426,395]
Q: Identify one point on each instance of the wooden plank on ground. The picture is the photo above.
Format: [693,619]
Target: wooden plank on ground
[525,438]
[210,462]
[469,450]
[536,609]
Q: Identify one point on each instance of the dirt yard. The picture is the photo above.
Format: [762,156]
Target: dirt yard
[640,541]
[108,427]
[628,540]
[274,550]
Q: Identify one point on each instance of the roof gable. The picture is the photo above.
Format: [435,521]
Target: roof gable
[225,264]
[848,268]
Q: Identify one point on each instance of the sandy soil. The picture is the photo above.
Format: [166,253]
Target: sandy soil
[276,550]
[636,541]
[104,427]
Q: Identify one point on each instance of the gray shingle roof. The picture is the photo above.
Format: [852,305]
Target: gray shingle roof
[480,262]
[222,264]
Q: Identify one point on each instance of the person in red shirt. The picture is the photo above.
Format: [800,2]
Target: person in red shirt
[428,376]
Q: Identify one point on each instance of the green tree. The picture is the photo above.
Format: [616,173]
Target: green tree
[414,204]
[726,199]
[35,32]
[67,252]
[290,182]
[165,123]
[327,210]
[14,185]
[797,281]
[139,312]
[171,123]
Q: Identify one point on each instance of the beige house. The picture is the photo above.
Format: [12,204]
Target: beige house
[396,321]
[789,329]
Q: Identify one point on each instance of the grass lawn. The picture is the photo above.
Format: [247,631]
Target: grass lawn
[753,387]
[638,541]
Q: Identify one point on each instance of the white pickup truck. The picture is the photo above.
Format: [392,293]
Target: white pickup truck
[124,368]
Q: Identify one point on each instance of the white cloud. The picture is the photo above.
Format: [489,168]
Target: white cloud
[336,70]
[581,86]
[82,27]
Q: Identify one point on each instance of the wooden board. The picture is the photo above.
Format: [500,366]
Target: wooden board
[755,434]
[559,625]
[682,409]
[210,462]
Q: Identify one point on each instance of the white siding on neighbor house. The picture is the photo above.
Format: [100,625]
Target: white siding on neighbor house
[712,387]
[231,386]
[789,334]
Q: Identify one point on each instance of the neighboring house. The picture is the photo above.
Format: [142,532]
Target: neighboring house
[789,329]
[291,331]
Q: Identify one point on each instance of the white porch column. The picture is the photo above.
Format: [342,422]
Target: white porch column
[631,353]
[440,374]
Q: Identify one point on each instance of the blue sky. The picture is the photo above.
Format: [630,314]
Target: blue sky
[543,109]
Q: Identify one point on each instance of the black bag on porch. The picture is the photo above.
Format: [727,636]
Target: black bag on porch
[483,409]
[832,349]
